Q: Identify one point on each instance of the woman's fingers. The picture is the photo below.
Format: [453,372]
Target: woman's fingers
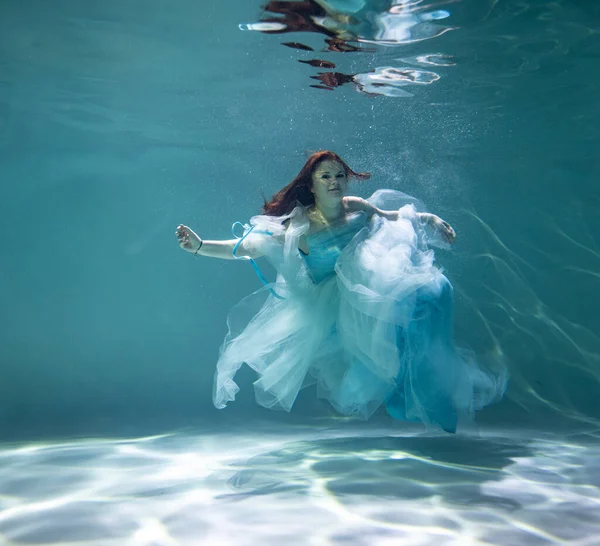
[448,232]
[183,234]
[182,231]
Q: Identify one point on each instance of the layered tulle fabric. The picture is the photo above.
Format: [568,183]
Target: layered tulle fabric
[366,316]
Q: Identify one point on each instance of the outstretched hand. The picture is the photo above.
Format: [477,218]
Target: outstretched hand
[444,228]
[188,240]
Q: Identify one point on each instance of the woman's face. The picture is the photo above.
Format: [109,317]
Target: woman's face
[329,182]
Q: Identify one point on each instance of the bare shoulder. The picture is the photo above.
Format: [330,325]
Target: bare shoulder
[353,204]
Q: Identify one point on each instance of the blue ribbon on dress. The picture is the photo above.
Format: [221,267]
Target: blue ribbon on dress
[247,230]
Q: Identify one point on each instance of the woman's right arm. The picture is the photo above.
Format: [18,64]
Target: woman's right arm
[191,242]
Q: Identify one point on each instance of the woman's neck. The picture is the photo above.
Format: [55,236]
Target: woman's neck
[330,212]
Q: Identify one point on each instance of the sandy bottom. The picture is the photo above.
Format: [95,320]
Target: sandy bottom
[286,485]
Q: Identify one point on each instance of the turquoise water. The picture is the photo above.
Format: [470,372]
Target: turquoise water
[119,121]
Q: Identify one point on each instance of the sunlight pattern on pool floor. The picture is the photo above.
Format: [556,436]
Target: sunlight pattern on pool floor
[336,486]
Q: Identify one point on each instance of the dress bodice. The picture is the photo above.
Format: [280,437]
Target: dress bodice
[326,245]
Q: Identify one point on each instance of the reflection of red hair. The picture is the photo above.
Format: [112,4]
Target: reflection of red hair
[298,190]
[297,17]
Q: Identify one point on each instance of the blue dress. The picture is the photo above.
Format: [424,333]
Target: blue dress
[365,315]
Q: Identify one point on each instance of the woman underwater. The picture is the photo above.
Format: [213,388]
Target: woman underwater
[358,306]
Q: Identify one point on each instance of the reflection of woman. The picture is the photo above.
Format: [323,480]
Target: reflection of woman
[358,306]
[307,16]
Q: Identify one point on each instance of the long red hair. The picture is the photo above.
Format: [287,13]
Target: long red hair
[298,190]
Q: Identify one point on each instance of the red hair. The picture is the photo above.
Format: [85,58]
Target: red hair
[298,190]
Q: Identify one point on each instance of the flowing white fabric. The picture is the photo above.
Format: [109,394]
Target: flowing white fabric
[365,315]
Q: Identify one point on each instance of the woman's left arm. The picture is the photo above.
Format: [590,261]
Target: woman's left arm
[425,218]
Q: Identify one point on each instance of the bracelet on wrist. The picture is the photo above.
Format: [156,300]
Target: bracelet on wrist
[199,247]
